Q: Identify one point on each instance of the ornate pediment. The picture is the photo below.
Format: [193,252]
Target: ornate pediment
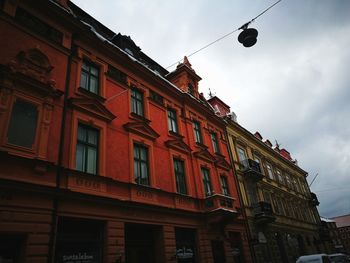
[222,163]
[141,128]
[179,145]
[93,107]
[33,68]
[205,155]
[33,63]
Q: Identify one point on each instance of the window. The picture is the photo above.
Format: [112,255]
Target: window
[260,166]
[89,79]
[180,176]
[206,182]
[224,185]
[156,97]
[296,185]
[172,122]
[117,75]
[215,142]
[275,204]
[288,181]
[190,88]
[141,164]
[197,132]
[87,149]
[137,102]
[269,171]
[241,154]
[279,176]
[38,26]
[24,116]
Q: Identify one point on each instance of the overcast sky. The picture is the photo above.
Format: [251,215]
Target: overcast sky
[293,85]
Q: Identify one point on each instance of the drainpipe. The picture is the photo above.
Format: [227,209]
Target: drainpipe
[252,251]
[59,167]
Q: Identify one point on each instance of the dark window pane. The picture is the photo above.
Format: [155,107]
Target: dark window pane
[190,88]
[141,164]
[80,161]
[84,80]
[36,25]
[87,149]
[197,132]
[89,77]
[215,142]
[224,185]
[206,182]
[180,176]
[117,75]
[156,97]
[137,102]
[23,122]
[172,121]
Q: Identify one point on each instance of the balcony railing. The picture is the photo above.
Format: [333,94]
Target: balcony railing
[219,209]
[217,201]
[314,200]
[251,169]
[263,213]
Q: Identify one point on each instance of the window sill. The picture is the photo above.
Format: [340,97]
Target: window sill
[139,117]
[201,145]
[91,94]
[175,134]
[219,154]
[19,150]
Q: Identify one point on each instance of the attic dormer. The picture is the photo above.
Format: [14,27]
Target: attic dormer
[185,78]
[220,107]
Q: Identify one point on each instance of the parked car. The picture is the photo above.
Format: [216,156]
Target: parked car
[339,258]
[315,258]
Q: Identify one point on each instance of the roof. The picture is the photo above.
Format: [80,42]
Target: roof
[327,220]
[218,99]
[342,221]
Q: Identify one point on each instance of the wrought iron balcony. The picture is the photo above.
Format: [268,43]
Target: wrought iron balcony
[263,213]
[314,200]
[251,169]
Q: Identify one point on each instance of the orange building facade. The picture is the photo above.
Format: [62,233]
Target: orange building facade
[105,156]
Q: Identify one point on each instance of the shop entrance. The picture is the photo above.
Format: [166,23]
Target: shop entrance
[185,245]
[218,250]
[143,244]
[236,246]
[11,248]
[79,240]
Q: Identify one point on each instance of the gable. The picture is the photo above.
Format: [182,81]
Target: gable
[222,163]
[93,107]
[205,155]
[141,128]
[178,144]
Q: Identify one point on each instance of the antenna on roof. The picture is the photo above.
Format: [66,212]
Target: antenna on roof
[313,180]
[211,94]
[277,144]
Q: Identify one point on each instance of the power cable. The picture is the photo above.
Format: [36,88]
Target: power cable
[228,34]
[332,189]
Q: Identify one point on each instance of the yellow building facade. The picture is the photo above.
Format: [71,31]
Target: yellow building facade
[281,212]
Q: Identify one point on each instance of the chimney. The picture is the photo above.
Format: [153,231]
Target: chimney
[286,154]
[258,135]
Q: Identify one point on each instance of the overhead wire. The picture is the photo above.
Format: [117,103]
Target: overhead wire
[226,35]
